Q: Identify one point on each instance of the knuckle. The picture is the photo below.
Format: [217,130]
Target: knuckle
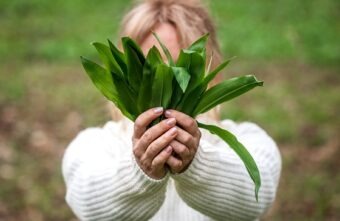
[148,169]
[178,165]
[142,161]
[137,125]
[145,164]
[182,149]
[187,139]
[151,150]
[155,163]
[191,123]
[147,137]
[136,152]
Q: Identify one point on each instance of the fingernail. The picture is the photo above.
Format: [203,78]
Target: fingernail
[158,110]
[168,113]
[168,149]
[171,121]
[173,131]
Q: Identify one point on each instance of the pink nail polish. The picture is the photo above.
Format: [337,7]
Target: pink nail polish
[168,149]
[158,110]
[168,113]
[171,121]
[173,130]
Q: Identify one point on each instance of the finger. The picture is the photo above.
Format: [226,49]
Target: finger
[154,132]
[145,119]
[181,150]
[160,143]
[175,164]
[185,138]
[159,161]
[186,122]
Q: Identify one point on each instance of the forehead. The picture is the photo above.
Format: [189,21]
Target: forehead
[168,35]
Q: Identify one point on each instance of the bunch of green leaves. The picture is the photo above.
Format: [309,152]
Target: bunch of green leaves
[135,83]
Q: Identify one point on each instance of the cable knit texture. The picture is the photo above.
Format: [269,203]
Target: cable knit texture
[104,182]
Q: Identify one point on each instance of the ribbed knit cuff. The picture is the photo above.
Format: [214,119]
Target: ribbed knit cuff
[144,177]
[191,174]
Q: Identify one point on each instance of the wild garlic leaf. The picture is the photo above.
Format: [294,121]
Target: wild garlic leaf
[217,70]
[153,59]
[199,45]
[182,76]
[119,57]
[162,87]
[225,91]
[107,58]
[101,78]
[240,150]
[196,70]
[135,61]
[165,50]
[126,96]
[183,60]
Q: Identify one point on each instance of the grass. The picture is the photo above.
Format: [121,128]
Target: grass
[46,98]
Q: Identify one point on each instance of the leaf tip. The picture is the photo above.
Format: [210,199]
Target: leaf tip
[257,188]
[82,59]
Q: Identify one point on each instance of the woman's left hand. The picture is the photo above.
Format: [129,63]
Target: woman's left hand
[186,142]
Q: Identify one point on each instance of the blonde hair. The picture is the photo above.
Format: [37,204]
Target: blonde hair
[191,20]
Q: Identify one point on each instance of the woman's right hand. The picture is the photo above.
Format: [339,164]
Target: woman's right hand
[151,145]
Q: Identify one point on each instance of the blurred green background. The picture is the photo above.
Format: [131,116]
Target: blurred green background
[46,98]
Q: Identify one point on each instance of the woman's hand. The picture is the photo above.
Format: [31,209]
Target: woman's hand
[186,143]
[151,146]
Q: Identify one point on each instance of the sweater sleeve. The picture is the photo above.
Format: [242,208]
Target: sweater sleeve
[217,183]
[104,182]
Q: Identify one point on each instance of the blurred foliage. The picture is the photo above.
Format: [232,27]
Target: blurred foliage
[46,98]
[282,29]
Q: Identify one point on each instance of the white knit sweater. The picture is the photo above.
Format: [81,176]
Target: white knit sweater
[105,183]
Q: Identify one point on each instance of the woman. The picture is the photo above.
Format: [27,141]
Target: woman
[171,171]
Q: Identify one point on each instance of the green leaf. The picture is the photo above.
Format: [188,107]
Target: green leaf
[165,50]
[177,94]
[194,63]
[213,74]
[162,87]
[153,59]
[240,150]
[126,96]
[199,45]
[191,99]
[196,70]
[135,61]
[183,60]
[182,77]
[135,47]
[119,57]
[107,58]
[225,91]
[101,78]
[180,83]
